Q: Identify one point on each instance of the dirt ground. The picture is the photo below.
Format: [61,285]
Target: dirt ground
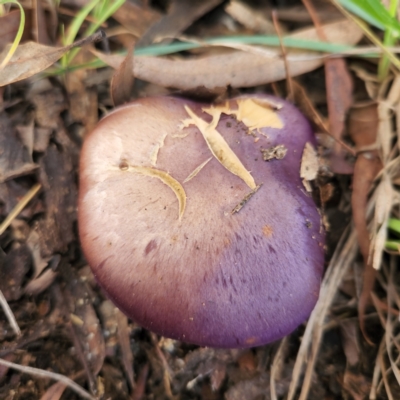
[61,338]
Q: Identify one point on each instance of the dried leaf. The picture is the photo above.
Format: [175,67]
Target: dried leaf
[137,19]
[249,17]
[309,164]
[55,391]
[365,170]
[339,87]
[383,206]
[13,269]
[41,283]
[197,170]
[363,125]
[254,113]
[9,26]
[83,98]
[350,343]
[87,334]
[219,147]
[124,341]
[31,58]
[122,81]
[56,229]
[39,263]
[236,68]
[39,24]
[166,178]
[180,16]
[15,159]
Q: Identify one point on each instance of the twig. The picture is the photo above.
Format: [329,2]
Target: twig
[19,207]
[289,82]
[343,258]
[51,375]
[245,199]
[9,314]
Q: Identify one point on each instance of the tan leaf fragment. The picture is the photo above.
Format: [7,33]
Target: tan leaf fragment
[219,147]
[236,68]
[156,149]
[122,81]
[383,206]
[309,165]
[254,113]
[166,178]
[197,170]
[31,58]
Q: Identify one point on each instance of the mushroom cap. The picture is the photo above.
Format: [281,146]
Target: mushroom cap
[204,274]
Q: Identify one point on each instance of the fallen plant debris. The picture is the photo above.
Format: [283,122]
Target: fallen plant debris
[236,68]
[31,58]
[60,337]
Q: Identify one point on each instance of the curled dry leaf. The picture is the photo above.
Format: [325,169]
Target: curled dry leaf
[166,178]
[383,206]
[309,165]
[55,391]
[122,80]
[339,87]
[197,170]
[9,27]
[124,341]
[236,68]
[82,98]
[136,18]
[250,17]
[31,58]
[85,326]
[15,158]
[363,125]
[254,113]
[41,283]
[219,147]
[180,16]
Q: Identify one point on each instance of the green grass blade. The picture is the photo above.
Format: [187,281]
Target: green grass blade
[373,12]
[19,34]
[77,22]
[394,225]
[388,40]
[393,245]
[106,12]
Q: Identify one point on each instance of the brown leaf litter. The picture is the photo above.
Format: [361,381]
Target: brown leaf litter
[73,342]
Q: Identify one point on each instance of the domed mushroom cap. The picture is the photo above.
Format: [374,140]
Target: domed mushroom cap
[190,231]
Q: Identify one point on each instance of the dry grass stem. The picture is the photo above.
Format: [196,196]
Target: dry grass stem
[49,375]
[343,258]
[19,207]
[9,314]
[276,367]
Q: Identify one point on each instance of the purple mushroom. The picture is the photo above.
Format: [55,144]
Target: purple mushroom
[196,222]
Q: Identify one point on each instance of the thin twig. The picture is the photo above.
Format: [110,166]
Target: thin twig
[9,314]
[49,375]
[289,82]
[343,257]
[19,207]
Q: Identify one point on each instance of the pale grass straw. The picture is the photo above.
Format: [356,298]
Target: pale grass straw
[276,367]
[342,259]
[49,375]
[391,322]
[19,207]
[9,314]
[344,256]
[377,373]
